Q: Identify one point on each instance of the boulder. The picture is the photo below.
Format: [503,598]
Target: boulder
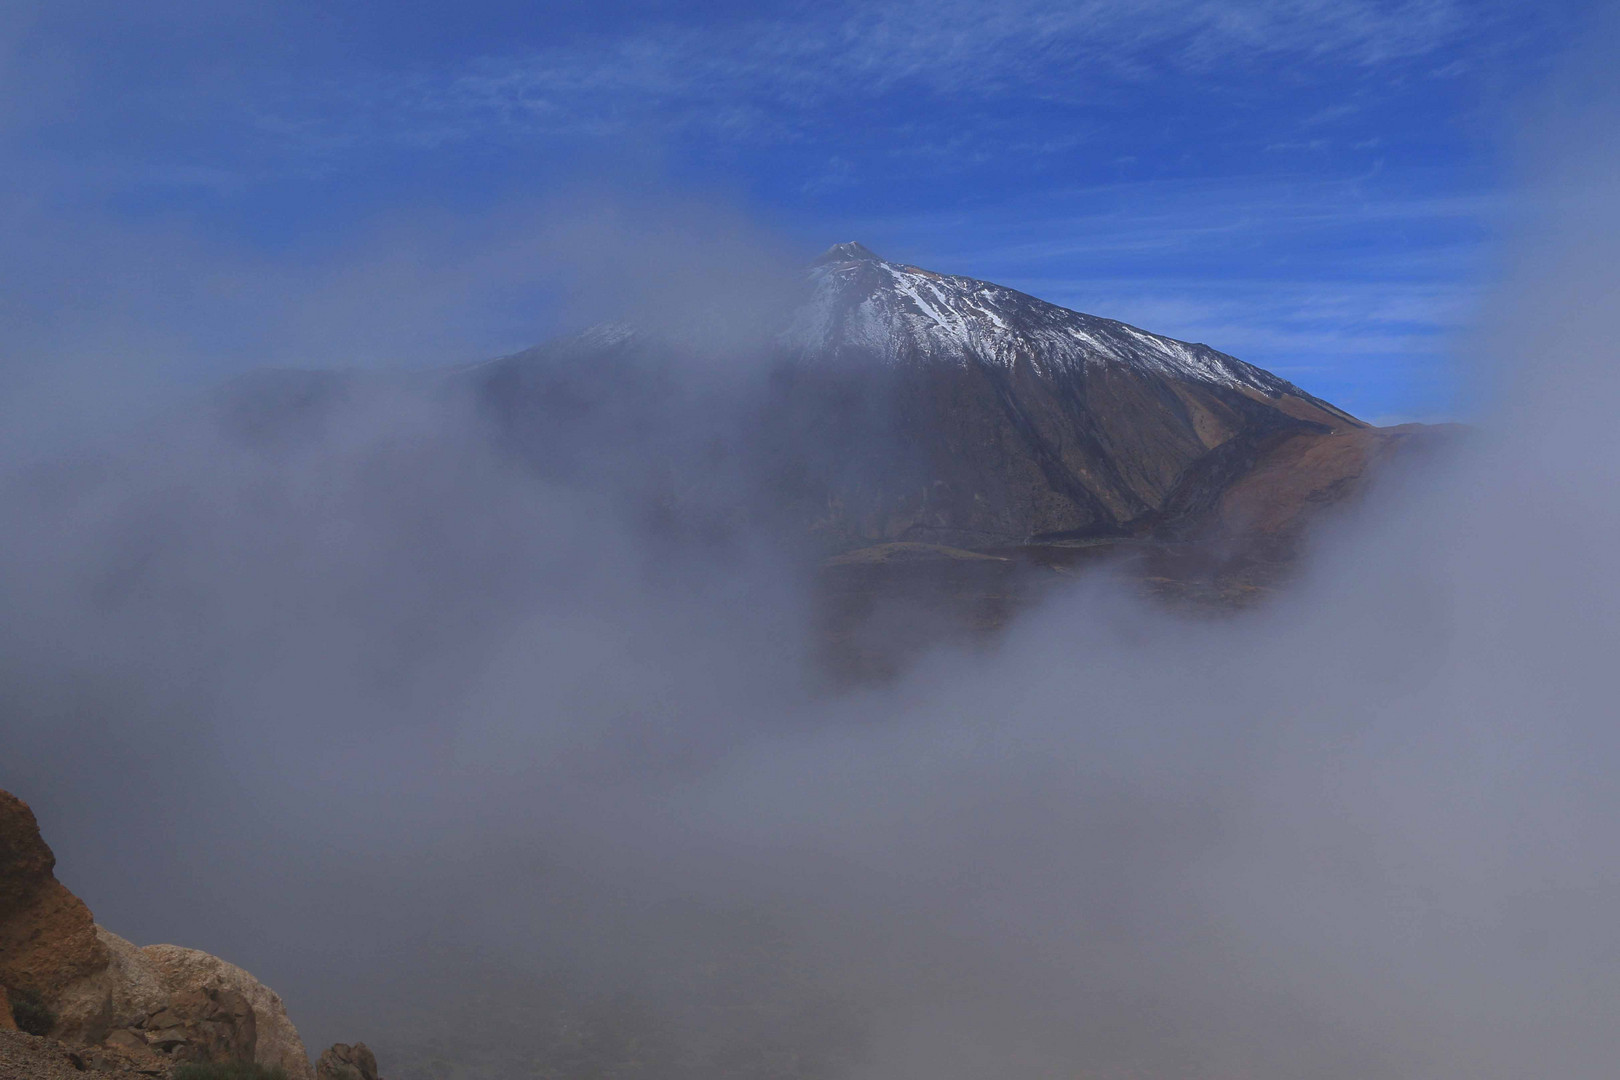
[89,1008]
[182,1003]
[180,971]
[341,1061]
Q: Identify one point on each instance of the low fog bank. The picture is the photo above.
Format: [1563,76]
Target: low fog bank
[470,764]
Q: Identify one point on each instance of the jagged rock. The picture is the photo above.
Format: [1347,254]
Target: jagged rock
[116,1003]
[47,936]
[344,1062]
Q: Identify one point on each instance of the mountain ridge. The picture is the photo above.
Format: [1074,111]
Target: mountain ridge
[912,406]
[897,404]
[1003,325]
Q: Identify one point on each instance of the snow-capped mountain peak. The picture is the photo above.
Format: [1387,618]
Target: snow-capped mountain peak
[848,251]
[907,404]
[904,313]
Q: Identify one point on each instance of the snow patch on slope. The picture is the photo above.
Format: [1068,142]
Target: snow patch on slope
[905,313]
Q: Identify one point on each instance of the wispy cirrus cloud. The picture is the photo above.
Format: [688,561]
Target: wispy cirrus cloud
[971,137]
[769,77]
[1356,288]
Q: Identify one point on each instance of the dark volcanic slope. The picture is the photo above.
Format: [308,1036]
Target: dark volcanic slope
[1038,421]
[910,405]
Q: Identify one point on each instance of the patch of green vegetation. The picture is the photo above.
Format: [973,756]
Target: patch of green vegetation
[228,1070]
[31,1013]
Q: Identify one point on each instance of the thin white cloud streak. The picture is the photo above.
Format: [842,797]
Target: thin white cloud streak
[1158,216]
[1322,319]
[763,78]
[1276,270]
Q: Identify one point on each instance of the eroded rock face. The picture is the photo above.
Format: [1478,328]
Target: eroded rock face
[183,1004]
[196,1025]
[344,1062]
[116,1004]
[182,971]
[47,936]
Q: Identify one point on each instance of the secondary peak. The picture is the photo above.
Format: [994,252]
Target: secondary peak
[848,251]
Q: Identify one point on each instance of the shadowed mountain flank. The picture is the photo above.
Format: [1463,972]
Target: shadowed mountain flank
[915,416]
[906,405]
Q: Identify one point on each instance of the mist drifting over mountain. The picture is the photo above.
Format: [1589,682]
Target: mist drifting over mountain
[476,760]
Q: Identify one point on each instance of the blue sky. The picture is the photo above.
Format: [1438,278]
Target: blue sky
[1318,186]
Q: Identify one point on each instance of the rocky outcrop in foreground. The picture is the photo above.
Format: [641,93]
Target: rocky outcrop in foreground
[87,999]
[47,938]
[344,1062]
[164,1004]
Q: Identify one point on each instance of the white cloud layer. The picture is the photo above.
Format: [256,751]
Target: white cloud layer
[343,708]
